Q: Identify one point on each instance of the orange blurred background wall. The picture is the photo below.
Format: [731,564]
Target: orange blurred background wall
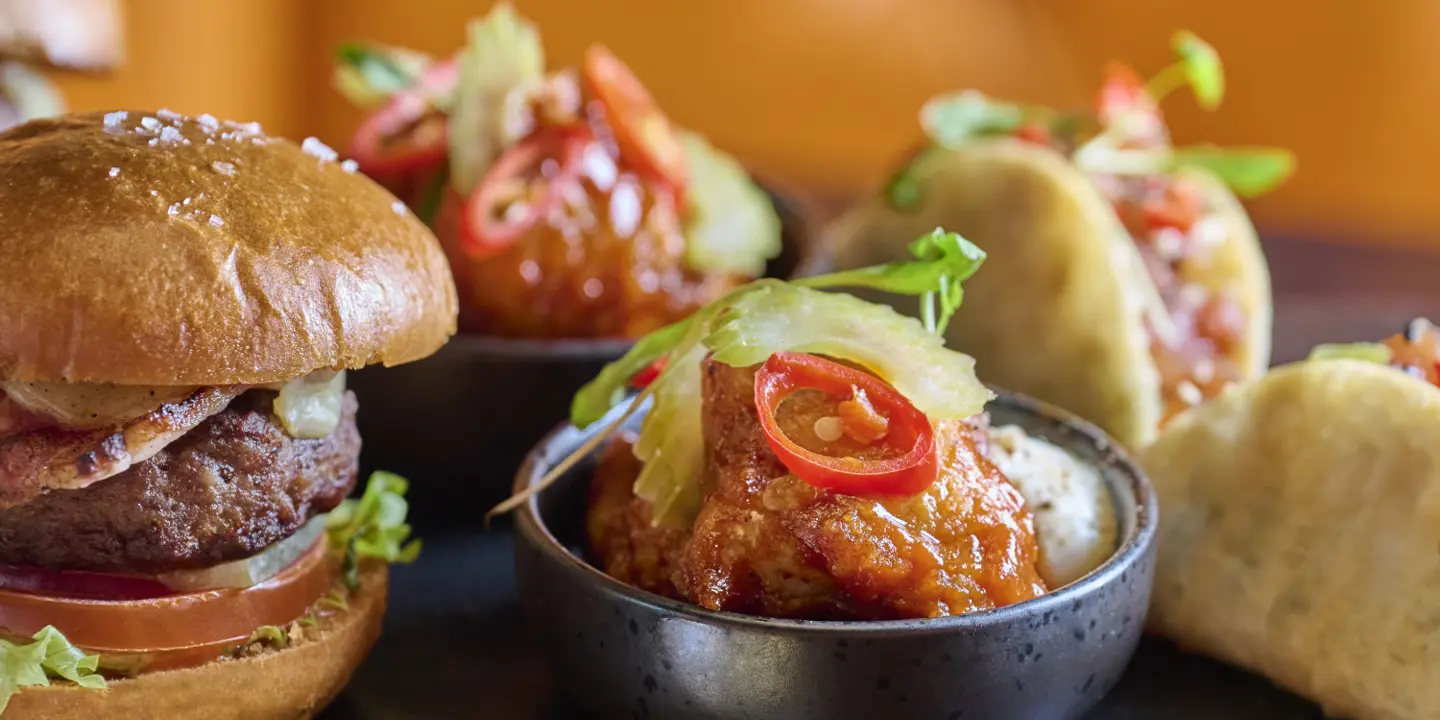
[823,93]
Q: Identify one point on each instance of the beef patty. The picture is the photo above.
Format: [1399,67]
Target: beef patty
[226,490]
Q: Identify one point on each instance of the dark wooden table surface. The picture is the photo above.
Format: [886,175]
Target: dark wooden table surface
[454,645]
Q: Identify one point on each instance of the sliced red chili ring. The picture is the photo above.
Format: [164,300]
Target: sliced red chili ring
[494,219]
[909,430]
[646,376]
[641,128]
[408,135]
[1033,132]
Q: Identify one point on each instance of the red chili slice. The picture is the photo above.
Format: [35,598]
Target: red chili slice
[493,219]
[642,130]
[1033,132]
[908,431]
[646,376]
[408,135]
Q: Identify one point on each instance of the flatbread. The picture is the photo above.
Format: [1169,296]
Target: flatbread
[1057,310]
[1300,531]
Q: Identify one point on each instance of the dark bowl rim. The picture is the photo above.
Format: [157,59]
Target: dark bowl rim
[530,528]
[813,256]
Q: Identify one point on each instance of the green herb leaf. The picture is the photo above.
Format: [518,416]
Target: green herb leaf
[1369,352]
[49,655]
[272,635]
[1250,172]
[610,387]
[1202,68]
[373,525]
[943,260]
[954,118]
[369,75]
[903,190]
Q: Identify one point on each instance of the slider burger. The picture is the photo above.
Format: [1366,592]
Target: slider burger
[179,301]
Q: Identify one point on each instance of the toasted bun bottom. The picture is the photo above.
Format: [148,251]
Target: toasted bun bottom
[296,682]
[1057,310]
[1299,521]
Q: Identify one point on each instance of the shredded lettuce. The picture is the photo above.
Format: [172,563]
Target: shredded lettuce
[48,655]
[943,260]
[503,53]
[367,75]
[731,226]
[940,382]
[373,525]
[1369,352]
[669,444]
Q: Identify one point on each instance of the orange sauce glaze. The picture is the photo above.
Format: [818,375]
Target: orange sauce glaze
[608,261]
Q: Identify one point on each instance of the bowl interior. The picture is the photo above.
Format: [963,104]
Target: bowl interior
[554,520]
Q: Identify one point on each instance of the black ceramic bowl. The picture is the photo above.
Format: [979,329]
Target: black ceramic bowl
[460,422]
[621,652]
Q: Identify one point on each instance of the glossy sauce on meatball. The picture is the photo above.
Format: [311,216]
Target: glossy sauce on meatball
[767,543]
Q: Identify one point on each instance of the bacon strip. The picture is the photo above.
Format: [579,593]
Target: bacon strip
[55,458]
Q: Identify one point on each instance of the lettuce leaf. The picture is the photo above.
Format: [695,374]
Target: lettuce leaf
[731,225]
[940,382]
[373,525]
[368,75]
[503,53]
[943,261]
[954,118]
[49,655]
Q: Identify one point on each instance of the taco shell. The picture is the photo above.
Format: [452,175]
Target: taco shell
[1300,526]
[1057,309]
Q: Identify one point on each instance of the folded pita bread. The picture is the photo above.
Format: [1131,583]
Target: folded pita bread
[1300,535]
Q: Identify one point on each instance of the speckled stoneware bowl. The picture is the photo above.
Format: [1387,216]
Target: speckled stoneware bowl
[622,652]
[459,422]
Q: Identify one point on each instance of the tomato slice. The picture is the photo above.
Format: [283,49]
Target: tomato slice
[1120,93]
[520,189]
[907,429]
[175,631]
[642,130]
[409,134]
[1180,207]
